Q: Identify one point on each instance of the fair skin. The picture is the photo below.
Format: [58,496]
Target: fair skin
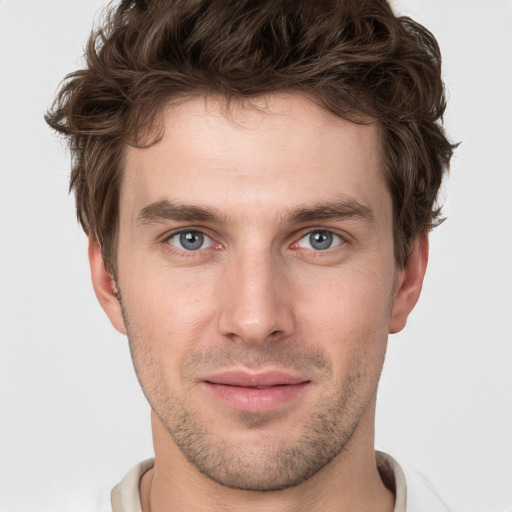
[257,287]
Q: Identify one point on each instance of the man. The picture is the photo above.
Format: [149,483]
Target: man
[257,181]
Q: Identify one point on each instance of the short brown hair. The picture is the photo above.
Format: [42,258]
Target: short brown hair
[354,57]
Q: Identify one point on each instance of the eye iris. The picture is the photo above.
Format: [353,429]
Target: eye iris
[191,240]
[320,240]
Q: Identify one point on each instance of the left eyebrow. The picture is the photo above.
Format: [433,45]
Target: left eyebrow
[339,210]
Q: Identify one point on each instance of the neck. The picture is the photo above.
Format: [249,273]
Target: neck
[350,482]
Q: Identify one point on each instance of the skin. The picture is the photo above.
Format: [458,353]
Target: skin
[259,296]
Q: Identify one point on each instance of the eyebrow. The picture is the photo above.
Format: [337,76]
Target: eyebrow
[166,210]
[337,210]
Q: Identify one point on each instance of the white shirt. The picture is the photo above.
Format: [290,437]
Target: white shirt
[413,492]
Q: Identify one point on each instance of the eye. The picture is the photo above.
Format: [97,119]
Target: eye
[320,240]
[190,240]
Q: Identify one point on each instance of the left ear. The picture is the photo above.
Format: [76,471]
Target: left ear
[408,284]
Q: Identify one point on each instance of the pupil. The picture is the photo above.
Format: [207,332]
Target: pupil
[192,240]
[320,240]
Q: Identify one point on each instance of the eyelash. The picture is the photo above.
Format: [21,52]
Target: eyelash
[189,253]
[294,246]
[333,235]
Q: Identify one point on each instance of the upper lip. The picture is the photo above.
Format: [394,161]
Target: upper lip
[244,378]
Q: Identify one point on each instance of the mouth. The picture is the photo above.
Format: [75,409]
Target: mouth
[258,392]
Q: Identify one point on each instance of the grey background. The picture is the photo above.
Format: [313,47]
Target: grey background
[72,417]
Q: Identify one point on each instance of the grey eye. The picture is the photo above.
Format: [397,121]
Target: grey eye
[320,240]
[190,240]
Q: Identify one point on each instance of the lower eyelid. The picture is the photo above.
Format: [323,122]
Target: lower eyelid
[337,239]
[207,240]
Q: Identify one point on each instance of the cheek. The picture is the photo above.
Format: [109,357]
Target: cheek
[348,317]
[162,295]
[165,321]
[168,314]
[347,300]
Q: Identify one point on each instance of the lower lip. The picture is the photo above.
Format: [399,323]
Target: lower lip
[256,400]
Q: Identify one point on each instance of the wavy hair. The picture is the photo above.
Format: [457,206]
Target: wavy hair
[354,57]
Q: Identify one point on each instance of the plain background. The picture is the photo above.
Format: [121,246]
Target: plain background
[72,417]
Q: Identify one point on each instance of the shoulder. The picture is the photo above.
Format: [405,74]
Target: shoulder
[125,495]
[414,493]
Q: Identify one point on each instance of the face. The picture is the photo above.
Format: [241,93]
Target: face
[258,285]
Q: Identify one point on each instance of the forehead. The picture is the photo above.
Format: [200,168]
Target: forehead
[275,150]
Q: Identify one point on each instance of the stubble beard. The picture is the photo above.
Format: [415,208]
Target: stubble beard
[274,462]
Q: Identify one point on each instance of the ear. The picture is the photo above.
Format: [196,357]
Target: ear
[104,286]
[408,284]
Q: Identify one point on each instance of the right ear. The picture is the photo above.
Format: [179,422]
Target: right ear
[104,286]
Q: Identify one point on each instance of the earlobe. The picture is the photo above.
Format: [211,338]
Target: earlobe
[105,286]
[408,284]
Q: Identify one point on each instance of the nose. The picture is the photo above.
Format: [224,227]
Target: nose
[256,304]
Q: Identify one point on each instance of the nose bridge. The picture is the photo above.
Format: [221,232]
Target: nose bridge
[255,305]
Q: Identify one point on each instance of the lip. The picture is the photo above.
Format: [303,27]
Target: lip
[256,392]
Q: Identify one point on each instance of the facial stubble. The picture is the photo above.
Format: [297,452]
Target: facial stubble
[273,460]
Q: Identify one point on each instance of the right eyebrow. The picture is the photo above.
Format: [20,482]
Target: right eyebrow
[163,210]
